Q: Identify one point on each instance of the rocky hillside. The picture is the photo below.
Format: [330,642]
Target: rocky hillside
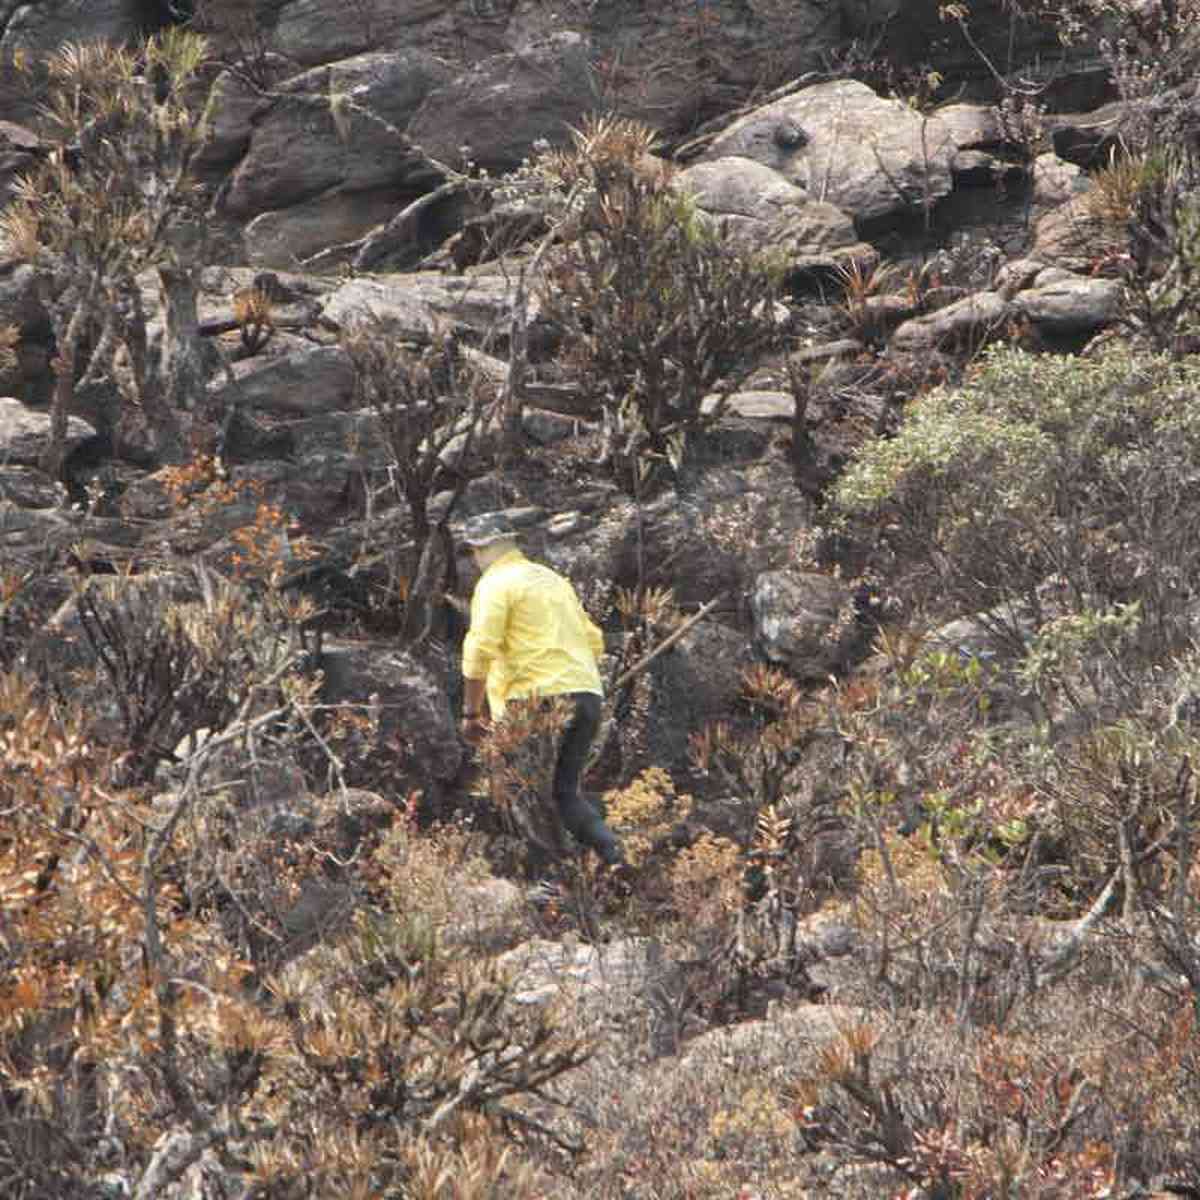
[840,352]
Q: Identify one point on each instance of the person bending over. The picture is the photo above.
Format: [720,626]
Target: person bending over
[530,637]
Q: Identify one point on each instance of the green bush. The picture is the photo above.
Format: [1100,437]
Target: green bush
[1056,501]
[1044,487]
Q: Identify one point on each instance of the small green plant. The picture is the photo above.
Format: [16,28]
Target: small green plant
[1042,485]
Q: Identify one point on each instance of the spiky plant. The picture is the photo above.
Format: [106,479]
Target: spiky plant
[114,199]
[658,307]
[252,310]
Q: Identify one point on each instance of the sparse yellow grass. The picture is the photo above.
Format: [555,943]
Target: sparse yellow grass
[1117,187]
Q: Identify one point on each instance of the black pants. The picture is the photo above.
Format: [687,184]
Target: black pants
[577,814]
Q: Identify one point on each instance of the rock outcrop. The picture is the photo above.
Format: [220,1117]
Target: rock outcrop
[845,145]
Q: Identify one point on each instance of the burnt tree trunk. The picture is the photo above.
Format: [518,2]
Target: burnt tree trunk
[68,335]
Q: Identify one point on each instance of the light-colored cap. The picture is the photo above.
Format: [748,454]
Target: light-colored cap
[486,530]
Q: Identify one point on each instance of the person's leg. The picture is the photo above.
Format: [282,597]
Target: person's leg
[577,815]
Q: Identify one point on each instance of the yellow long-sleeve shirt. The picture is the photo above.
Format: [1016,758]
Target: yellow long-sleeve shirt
[529,634]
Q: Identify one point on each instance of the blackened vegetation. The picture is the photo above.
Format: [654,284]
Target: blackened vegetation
[88,457]
[430,404]
[164,684]
[156,15]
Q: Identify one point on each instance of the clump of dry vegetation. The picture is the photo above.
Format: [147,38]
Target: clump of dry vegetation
[659,311]
[115,199]
[430,405]
[159,1012]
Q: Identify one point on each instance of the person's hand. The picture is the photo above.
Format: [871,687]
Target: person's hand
[474,729]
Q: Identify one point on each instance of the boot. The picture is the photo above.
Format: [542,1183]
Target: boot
[589,828]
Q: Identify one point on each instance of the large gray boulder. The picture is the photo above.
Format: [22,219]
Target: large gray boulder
[662,64]
[304,381]
[323,229]
[41,28]
[605,981]
[295,378]
[704,539]
[321,31]
[338,430]
[293,293]
[1055,181]
[967,323]
[422,305]
[299,154]
[973,126]
[494,112]
[309,143]
[24,432]
[26,533]
[693,685]
[227,123]
[393,84]
[671,65]
[704,1072]
[1073,236]
[761,210]
[410,700]
[843,144]
[325,486]
[1071,306]
[758,404]
[27,487]
[800,621]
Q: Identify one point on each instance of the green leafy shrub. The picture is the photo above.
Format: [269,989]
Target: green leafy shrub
[1048,763]
[1043,486]
[1055,502]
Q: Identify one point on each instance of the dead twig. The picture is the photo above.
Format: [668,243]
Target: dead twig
[609,723]
[667,642]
